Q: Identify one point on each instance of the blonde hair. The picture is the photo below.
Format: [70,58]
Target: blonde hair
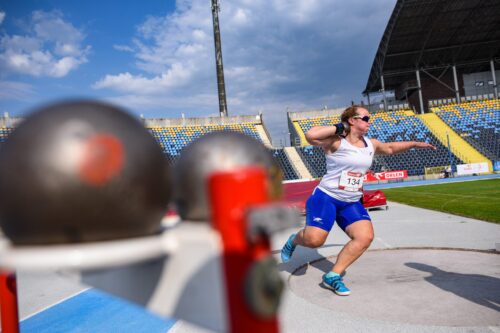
[348,113]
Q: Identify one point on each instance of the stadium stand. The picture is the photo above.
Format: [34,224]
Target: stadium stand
[405,126]
[437,50]
[173,139]
[307,124]
[298,163]
[175,134]
[401,125]
[314,159]
[286,166]
[7,125]
[300,122]
[4,133]
[477,122]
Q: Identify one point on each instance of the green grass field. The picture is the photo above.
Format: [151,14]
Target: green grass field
[476,199]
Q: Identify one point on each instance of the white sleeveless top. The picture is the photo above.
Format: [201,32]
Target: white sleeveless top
[347,158]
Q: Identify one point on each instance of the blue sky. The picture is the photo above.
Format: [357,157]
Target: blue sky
[156,58]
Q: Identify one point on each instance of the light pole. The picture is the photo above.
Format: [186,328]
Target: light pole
[221,87]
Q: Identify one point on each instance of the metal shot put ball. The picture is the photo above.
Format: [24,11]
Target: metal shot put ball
[81,171]
[218,151]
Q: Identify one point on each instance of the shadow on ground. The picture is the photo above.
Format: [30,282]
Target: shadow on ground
[480,289]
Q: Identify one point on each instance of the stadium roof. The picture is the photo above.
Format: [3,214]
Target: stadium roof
[434,35]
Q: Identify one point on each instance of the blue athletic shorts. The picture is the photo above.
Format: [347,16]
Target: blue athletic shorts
[322,210]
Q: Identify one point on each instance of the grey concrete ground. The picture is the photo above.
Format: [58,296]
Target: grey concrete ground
[422,289]
[39,291]
[429,287]
[412,286]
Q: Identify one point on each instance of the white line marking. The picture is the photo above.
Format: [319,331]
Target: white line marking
[383,242]
[495,329]
[54,304]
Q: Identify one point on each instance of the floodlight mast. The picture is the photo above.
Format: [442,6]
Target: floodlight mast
[221,87]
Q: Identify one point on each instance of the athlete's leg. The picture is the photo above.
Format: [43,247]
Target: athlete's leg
[320,216]
[361,234]
[355,221]
[310,237]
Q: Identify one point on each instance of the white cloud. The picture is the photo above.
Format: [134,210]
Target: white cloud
[277,53]
[123,48]
[200,102]
[176,76]
[51,47]
[2,17]
[15,90]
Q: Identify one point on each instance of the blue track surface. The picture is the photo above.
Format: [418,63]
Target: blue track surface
[95,311]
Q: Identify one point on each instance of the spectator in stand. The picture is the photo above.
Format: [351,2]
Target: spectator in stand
[349,154]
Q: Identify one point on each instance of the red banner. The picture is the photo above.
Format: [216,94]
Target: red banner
[388,175]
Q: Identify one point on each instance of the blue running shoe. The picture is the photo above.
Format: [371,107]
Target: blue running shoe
[288,248]
[335,283]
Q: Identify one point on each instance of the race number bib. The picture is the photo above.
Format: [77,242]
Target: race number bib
[351,181]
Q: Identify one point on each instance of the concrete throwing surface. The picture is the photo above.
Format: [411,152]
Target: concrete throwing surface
[415,286]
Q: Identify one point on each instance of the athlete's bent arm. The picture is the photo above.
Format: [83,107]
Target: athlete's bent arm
[391,148]
[324,135]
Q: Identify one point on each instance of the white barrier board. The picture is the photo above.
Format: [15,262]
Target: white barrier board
[471,168]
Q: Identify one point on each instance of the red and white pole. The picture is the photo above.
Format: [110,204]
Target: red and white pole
[231,194]
[9,315]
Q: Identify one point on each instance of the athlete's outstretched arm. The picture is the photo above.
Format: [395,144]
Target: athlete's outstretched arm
[391,148]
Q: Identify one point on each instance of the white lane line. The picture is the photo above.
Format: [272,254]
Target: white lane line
[54,304]
[383,242]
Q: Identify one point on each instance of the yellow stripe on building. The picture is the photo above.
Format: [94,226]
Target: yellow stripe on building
[458,146]
[298,129]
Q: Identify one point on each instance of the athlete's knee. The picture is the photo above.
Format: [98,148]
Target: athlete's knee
[312,240]
[364,240]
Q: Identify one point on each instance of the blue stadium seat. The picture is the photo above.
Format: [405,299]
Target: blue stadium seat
[477,123]
[286,166]
[4,133]
[314,160]
[385,126]
[404,126]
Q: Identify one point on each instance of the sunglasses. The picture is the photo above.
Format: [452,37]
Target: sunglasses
[365,118]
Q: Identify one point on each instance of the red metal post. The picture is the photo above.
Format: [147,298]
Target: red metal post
[231,193]
[9,315]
